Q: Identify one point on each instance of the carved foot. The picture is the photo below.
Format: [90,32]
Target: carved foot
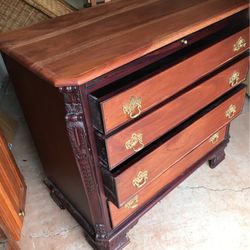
[217,158]
[54,193]
[116,242]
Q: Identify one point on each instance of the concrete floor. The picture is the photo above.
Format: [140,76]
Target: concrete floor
[210,210]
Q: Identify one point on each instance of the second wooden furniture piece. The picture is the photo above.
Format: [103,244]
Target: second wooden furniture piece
[126,100]
[12,196]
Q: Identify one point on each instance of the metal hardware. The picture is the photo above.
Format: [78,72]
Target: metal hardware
[234,79]
[241,43]
[133,107]
[21,213]
[230,112]
[136,139]
[184,41]
[141,179]
[214,139]
[10,146]
[133,203]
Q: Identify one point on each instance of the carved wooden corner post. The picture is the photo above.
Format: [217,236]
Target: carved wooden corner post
[78,137]
[100,234]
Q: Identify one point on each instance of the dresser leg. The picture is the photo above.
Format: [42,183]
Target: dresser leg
[117,242]
[217,158]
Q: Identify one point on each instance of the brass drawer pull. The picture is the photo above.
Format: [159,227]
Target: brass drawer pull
[230,112]
[133,107]
[141,179]
[241,43]
[234,79]
[214,139]
[133,203]
[134,141]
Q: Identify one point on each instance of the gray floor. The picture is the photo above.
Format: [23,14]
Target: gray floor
[210,210]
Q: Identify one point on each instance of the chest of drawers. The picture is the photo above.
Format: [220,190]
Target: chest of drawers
[124,101]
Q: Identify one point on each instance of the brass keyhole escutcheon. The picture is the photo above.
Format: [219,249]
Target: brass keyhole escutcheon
[141,179]
[230,112]
[135,142]
[241,43]
[133,107]
[234,79]
[214,139]
[133,203]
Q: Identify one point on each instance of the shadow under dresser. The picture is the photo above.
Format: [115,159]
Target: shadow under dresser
[125,100]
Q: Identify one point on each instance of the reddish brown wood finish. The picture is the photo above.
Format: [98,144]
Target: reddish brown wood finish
[101,39]
[12,193]
[120,214]
[95,42]
[170,81]
[173,150]
[165,118]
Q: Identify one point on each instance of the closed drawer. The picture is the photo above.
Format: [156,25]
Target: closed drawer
[124,184]
[119,108]
[118,215]
[135,137]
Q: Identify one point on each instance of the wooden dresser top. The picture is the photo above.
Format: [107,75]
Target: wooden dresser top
[78,47]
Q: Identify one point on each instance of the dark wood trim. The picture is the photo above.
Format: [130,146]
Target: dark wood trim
[102,206]
[77,127]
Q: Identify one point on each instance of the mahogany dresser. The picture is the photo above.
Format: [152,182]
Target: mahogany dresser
[126,100]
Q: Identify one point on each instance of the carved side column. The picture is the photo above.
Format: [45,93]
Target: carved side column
[79,142]
[104,238]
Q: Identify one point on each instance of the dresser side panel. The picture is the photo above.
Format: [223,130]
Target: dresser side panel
[43,108]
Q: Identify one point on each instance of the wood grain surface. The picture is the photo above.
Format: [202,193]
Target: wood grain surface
[170,81]
[120,214]
[12,193]
[98,40]
[171,114]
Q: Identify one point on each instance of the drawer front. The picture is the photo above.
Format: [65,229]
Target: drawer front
[131,103]
[135,137]
[130,181]
[118,215]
